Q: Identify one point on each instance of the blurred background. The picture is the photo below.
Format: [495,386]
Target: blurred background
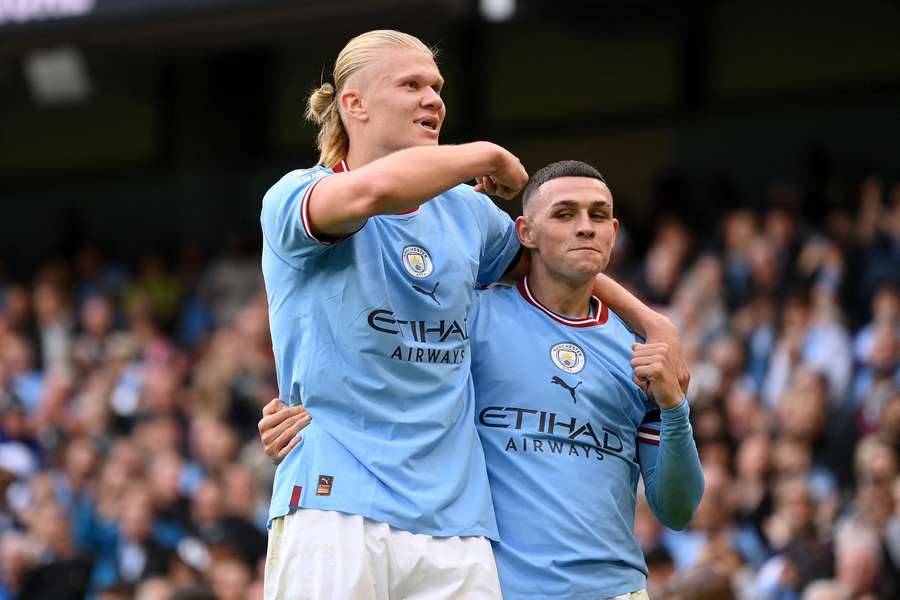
[752,149]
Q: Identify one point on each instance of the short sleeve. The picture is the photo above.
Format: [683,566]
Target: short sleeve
[285,215]
[500,243]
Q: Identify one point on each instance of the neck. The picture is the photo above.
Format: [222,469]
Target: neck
[569,298]
[360,155]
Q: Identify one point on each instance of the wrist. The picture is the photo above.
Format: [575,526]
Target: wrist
[657,327]
[490,156]
[675,411]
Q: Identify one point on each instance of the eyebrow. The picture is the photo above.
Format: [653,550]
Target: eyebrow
[419,75]
[603,203]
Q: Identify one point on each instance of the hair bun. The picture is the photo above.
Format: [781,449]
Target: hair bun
[320,103]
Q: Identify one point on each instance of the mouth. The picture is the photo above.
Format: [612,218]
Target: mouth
[429,124]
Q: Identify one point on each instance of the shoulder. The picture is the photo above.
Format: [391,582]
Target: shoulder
[498,299]
[464,189]
[296,179]
[618,340]
[623,337]
[617,326]
[281,199]
[473,201]
[299,177]
[497,294]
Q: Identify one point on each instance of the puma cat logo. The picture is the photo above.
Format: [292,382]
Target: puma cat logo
[430,294]
[561,383]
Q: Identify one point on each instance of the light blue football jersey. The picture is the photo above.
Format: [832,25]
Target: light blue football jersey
[371,333]
[565,431]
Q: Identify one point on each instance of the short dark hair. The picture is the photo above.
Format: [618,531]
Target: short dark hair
[562,168]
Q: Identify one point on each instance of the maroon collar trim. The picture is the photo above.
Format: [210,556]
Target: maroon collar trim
[600,312]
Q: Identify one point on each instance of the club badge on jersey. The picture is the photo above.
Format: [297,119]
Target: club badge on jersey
[568,356]
[417,262]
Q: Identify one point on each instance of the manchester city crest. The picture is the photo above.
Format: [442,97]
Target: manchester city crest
[417,262]
[568,357]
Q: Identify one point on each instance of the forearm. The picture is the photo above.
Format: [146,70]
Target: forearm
[638,316]
[676,483]
[405,179]
[397,182]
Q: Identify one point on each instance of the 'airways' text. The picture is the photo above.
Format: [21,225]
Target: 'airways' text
[429,355]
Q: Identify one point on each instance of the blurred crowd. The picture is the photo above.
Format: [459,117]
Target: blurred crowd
[789,316]
[130,465]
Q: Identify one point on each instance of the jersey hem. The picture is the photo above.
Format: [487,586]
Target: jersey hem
[597,594]
[380,517]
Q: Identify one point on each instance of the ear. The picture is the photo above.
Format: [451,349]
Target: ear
[525,232]
[615,224]
[353,105]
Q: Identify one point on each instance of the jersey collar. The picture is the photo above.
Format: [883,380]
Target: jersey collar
[599,312]
[343,167]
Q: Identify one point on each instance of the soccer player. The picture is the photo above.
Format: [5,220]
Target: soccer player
[370,260]
[571,409]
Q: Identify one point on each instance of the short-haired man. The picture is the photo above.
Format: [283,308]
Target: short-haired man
[572,410]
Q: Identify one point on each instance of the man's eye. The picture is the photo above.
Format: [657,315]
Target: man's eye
[563,215]
[412,85]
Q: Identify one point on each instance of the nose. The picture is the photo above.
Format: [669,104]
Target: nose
[584,227]
[431,99]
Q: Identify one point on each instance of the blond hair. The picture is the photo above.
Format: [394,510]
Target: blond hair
[322,106]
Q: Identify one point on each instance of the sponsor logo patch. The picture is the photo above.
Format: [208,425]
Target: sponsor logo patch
[323,488]
[568,357]
[417,262]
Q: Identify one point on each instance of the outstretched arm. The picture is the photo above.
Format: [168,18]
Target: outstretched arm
[341,204]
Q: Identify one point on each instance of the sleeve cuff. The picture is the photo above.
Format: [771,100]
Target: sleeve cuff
[676,413]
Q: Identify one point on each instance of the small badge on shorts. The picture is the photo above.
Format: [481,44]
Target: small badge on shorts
[324,486]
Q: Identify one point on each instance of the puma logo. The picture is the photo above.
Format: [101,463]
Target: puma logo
[561,383]
[430,294]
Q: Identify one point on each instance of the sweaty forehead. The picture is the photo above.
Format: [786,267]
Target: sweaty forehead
[576,189]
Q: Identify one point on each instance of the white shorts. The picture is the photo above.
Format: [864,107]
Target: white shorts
[638,595]
[315,554]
